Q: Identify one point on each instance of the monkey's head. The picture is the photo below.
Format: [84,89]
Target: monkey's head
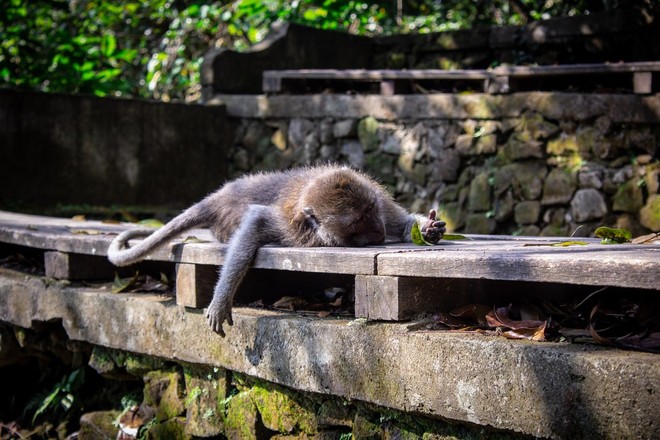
[344,208]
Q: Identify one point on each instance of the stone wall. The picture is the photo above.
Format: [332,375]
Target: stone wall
[155,398]
[527,163]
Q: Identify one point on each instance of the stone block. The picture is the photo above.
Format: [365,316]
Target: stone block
[628,198]
[649,215]
[480,195]
[367,130]
[527,212]
[480,224]
[282,411]
[206,388]
[243,420]
[99,425]
[588,204]
[559,187]
[518,148]
[344,128]
[163,391]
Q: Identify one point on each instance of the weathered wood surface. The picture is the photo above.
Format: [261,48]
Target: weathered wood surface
[498,80]
[93,238]
[482,257]
[626,265]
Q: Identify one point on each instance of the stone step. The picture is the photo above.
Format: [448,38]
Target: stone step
[545,390]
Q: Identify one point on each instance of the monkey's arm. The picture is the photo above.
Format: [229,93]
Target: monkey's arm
[258,228]
[399,223]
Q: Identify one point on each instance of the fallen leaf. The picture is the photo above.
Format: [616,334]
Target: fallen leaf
[613,235]
[571,243]
[454,237]
[559,243]
[647,239]
[474,312]
[151,223]
[122,284]
[324,313]
[193,239]
[86,231]
[289,302]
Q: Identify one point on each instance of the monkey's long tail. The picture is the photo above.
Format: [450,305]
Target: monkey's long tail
[117,252]
[119,255]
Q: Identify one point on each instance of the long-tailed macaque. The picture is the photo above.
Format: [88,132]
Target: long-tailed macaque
[316,206]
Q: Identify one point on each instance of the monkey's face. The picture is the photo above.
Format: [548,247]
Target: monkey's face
[357,222]
[344,210]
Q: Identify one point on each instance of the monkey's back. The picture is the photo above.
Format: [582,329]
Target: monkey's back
[230,203]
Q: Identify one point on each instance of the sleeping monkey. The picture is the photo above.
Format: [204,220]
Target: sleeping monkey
[315,206]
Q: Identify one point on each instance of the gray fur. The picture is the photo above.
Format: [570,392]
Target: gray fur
[316,206]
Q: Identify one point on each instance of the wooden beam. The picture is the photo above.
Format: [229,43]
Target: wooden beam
[194,284]
[643,83]
[66,266]
[393,298]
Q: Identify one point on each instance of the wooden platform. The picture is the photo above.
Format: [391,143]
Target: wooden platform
[392,282]
[636,77]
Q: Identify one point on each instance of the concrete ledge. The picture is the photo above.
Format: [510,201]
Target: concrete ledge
[552,105]
[545,390]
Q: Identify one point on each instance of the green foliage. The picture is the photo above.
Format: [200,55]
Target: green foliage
[61,398]
[613,235]
[154,49]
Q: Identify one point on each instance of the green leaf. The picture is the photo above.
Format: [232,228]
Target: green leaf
[613,235]
[108,44]
[151,223]
[453,237]
[416,236]
[570,243]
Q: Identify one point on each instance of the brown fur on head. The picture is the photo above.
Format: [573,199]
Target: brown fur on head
[344,209]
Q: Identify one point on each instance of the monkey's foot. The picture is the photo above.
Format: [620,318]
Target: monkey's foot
[433,230]
[217,313]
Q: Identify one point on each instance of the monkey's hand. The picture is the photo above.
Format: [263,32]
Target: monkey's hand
[218,312]
[433,230]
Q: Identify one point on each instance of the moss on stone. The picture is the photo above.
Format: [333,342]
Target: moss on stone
[98,425]
[162,391]
[649,215]
[628,198]
[281,412]
[368,133]
[242,420]
[172,429]
[206,391]
[562,145]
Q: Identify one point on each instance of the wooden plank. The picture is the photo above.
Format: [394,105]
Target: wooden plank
[475,74]
[487,257]
[643,83]
[194,284]
[498,80]
[393,298]
[68,266]
[65,235]
[633,266]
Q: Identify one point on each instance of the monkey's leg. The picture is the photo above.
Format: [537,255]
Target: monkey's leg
[257,228]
